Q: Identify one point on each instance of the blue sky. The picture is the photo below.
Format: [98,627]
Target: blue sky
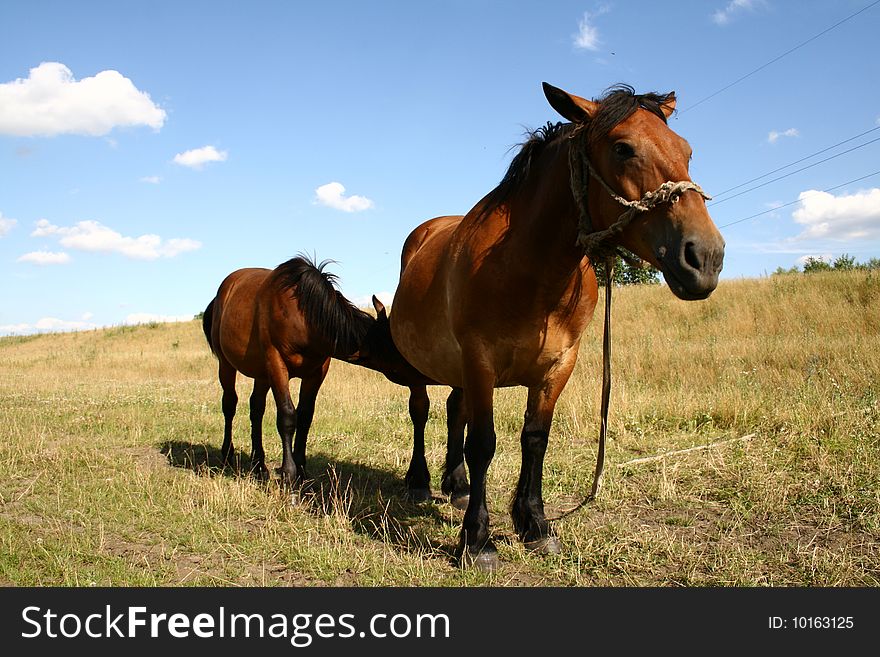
[149,149]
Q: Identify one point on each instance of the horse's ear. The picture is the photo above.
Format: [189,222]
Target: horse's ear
[574,108]
[380,308]
[668,105]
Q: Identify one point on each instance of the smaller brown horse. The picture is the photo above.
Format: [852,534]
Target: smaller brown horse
[274,325]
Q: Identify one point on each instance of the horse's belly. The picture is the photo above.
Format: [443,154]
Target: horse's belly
[422,334]
[432,351]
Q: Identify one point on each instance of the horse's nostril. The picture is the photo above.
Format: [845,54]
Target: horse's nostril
[691,257]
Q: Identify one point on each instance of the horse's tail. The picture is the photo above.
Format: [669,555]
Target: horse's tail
[327,312]
[207,322]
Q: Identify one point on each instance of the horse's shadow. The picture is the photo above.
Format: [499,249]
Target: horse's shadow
[373,500]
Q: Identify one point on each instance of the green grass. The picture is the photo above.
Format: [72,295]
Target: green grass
[110,447]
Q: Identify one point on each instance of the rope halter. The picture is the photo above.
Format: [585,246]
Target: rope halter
[600,245]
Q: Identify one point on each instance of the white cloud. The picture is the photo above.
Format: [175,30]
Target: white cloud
[773,136]
[15,329]
[333,196]
[46,325]
[45,258]
[54,324]
[153,180]
[51,102]
[95,237]
[6,224]
[146,318]
[731,9]
[199,157]
[587,37]
[844,217]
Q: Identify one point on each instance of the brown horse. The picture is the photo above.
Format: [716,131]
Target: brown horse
[501,296]
[273,325]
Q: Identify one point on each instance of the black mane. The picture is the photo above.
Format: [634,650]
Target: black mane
[521,165]
[617,104]
[326,311]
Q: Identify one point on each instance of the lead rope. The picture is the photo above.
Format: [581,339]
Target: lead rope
[606,379]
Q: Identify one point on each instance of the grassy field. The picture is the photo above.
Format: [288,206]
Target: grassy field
[110,453]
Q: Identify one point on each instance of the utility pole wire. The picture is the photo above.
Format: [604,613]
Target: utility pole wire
[777,58]
[791,164]
[791,173]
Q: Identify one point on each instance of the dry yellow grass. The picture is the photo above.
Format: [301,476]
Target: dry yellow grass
[110,441]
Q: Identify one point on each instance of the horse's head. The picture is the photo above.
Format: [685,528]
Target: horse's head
[630,147]
[378,352]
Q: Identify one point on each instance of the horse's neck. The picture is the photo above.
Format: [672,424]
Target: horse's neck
[543,218]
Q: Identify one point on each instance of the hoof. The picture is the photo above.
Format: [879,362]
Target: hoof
[485,561]
[460,502]
[418,495]
[546,545]
[260,473]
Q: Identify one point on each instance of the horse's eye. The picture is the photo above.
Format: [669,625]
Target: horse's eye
[623,150]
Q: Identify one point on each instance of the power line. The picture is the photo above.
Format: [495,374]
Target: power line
[791,164]
[777,58]
[791,173]
[830,189]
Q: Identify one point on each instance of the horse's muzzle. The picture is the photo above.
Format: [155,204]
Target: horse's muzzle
[691,270]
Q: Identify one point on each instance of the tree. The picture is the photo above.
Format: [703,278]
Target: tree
[813,265]
[627,274]
[844,262]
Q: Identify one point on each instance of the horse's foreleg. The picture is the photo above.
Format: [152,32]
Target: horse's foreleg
[257,410]
[527,509]
[475,545]
[226,375]
[308,393]
[455,482]
[418,478]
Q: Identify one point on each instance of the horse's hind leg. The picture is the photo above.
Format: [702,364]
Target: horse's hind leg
[308,393]
[257,410]
[286,416]
[455,482]
[418,479]
[226,374]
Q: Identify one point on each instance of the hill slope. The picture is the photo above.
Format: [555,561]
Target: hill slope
[111,445]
